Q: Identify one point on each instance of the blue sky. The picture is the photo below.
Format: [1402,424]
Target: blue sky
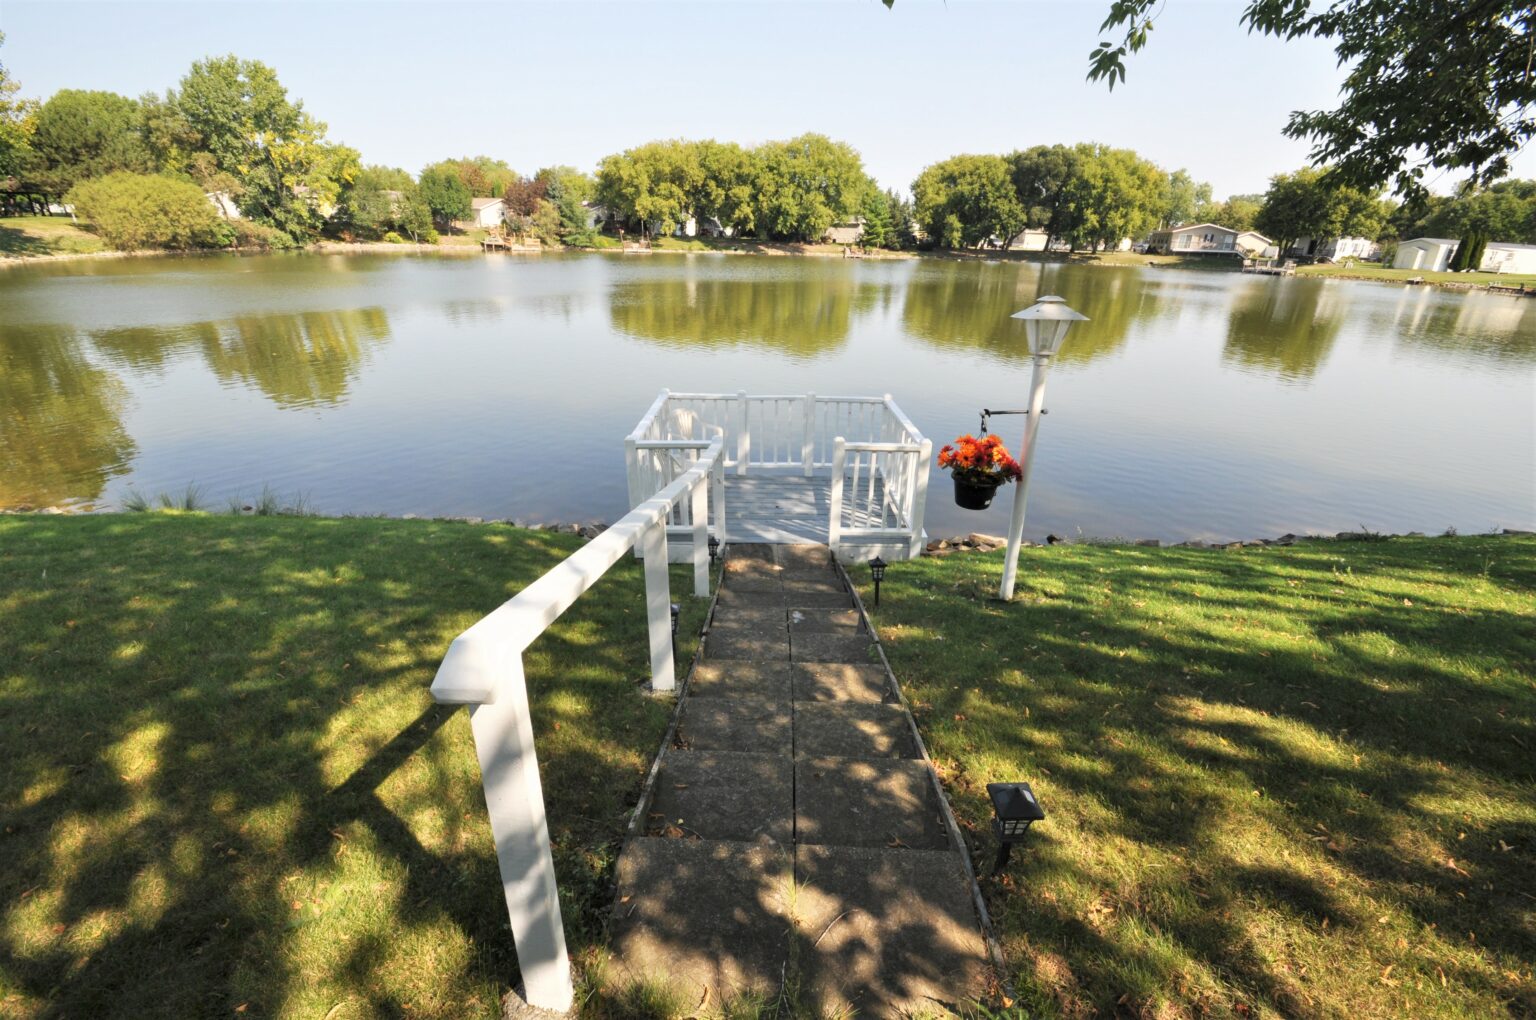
[543,83]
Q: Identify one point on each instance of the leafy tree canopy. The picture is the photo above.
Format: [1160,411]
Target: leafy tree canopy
[1432,84]
[80,134]
[135,211]
[1311,203]
[16,121]
[445,194]
[966,200]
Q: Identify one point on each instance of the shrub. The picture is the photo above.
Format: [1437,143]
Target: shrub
[133,211]
[250,234]
[393,238]
[430,236]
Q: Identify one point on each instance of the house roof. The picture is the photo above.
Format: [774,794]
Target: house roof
[1432,240]
[1254,233]
[480,203]
[1197,226]
[1511,246]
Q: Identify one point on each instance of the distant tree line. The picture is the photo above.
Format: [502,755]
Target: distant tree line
[141,171]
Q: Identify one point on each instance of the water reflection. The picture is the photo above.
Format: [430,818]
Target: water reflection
[800,316]
[1284,327]
[61,429]
[299,359]
[1492,327]
[958,305]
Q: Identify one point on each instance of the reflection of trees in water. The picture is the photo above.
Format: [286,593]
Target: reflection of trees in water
[61,429]
[961,306]
[1283,327]
[799,316]
[298,360]
[1491,327]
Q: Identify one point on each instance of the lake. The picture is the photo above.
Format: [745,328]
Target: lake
[1191,405]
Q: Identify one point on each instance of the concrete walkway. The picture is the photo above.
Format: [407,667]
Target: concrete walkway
[795,844]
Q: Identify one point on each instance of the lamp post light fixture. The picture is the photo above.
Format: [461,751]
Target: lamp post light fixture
[1014,810]
[1046,323]
[714,550]
[877,574]
[677,611]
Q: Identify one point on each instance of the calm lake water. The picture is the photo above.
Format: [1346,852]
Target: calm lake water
[1193,405]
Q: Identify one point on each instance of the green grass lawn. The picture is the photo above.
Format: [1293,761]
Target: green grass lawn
[227,792]
[1293,782]
[1367,271]
[46,235]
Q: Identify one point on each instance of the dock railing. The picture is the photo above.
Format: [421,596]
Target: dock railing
[484,670]
[866,441]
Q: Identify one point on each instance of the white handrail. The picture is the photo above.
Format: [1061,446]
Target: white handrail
[484,670]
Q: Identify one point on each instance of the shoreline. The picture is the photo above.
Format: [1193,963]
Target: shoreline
[771,249]
[936,547]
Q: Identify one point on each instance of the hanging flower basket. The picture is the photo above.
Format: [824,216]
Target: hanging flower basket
[970,496]
[979,467]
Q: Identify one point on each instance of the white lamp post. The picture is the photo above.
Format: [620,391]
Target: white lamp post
[1046,322]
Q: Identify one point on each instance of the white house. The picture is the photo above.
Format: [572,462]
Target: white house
[1431,253]
[224,202]
[1334,249]
[1212,238]
[1507,257]
[845,232]
[487,212]
[1029,239]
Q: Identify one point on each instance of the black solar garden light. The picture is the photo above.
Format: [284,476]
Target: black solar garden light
[877,572]
[1014,810]
[714,549]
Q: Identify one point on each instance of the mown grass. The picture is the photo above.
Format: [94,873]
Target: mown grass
[1367,271]
[46,235]
[1293,782]
[227,792]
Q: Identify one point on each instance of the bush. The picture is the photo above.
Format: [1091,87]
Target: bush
[582,239]
[134,211]
[250,234]
[391,237]
[430,236]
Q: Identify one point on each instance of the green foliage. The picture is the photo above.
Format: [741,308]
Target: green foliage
[445,194]
[250,234]
[1184,199]
[135,211]
[483,176]
[380,200]
[16,121]
[966,200]
[1043,178]
[82,134]
[1431,85]
[1504,212]
[568,188]
[237,116]
[791,190]
[1315,203]
[1237,212]
[545,223]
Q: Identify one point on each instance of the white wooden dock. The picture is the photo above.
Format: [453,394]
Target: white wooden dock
[790,510]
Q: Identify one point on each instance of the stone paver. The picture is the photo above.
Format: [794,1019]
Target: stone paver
[838,681]
[794,762]
[702,914]
[885,930]
[735,724]
[716,795]
[726,679]
[848,729]
[886,802]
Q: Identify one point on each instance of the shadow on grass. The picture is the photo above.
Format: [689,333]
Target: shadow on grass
[1291,780]
[228,789]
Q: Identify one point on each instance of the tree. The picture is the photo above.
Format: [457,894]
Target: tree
[806,184]
[879,230]
[1184,199]
[239,113]
[1115,194]
[1504,212]
[445,194]
[964,201]
[1314,203]
[379,200]
[654,185]
[1042,180]
[16,121]
[81,134]
[1432,84]
[1237,212]
[133,211]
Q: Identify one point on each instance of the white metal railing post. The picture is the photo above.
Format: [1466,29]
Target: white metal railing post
[835,518]
[632,470]
[717,478]
[808,443]
[658,606]
[514,798]
[743,437]
[919,507]
[698,503]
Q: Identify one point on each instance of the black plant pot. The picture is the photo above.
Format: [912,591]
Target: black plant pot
[973,497]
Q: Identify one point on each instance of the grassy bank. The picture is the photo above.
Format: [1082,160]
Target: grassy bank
[227,792]
[1366,271]
[1290,782]
[32,236]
